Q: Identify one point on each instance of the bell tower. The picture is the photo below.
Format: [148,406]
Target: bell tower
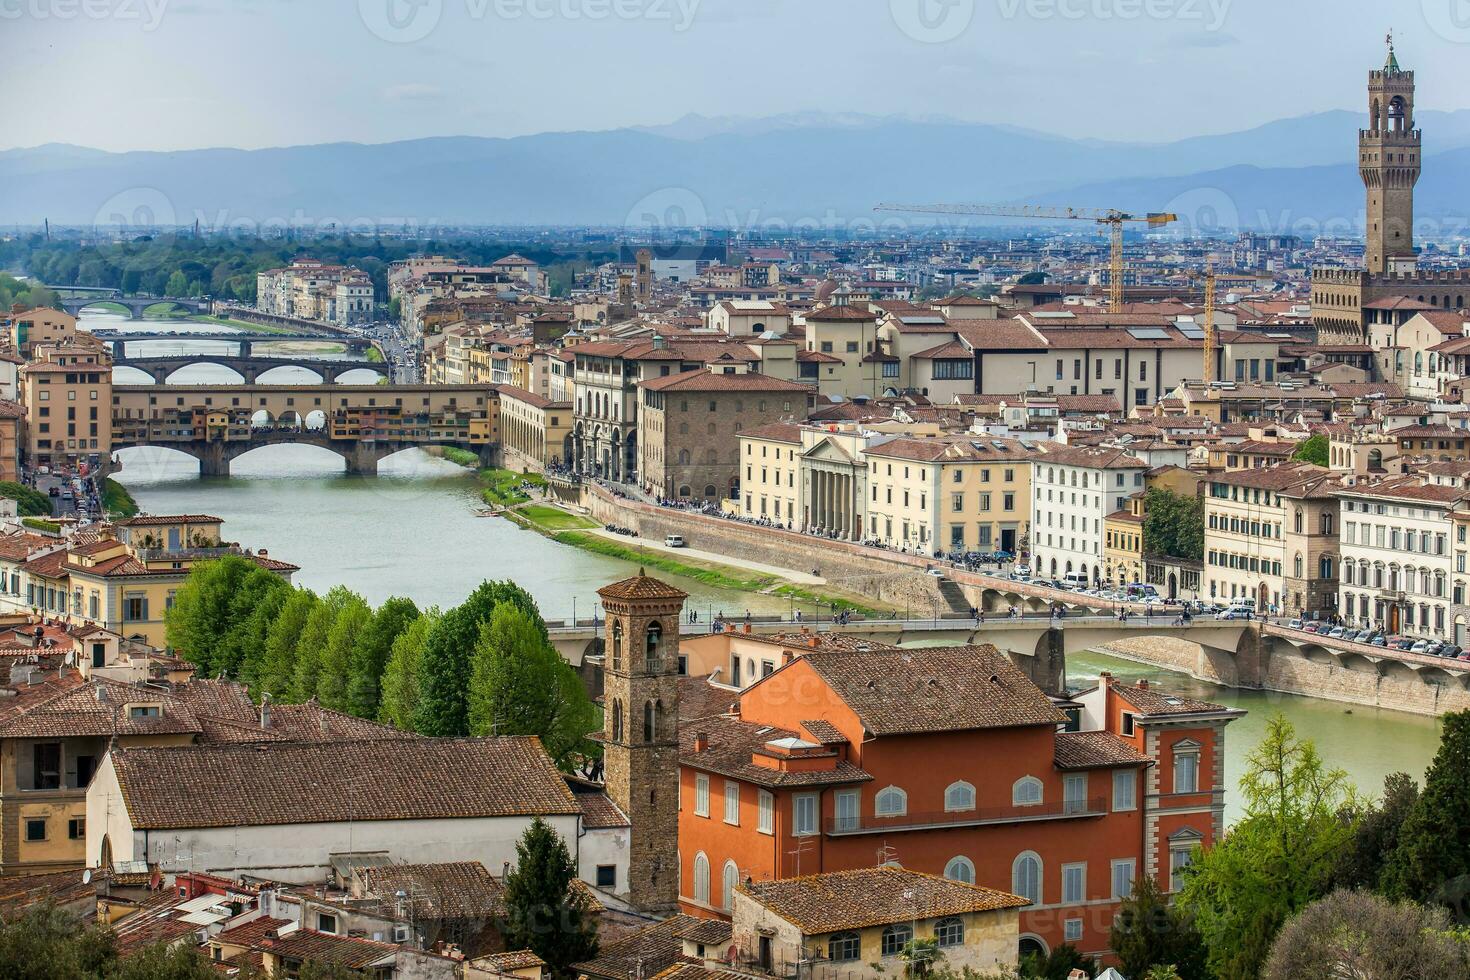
[1389,162]
[640,736]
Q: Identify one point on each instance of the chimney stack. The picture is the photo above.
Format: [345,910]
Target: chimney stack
[265,711]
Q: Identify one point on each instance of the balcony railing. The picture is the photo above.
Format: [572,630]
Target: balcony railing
[978,817]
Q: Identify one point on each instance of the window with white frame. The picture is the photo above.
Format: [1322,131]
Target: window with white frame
[701,795]
[1186,766]
[845,806]
[949,932]
[728,881]
[701,878]
[1074,884]
[766,821]
[960,868]
[1072,930]
[804,814]
[732,802]
[1074,792]
[891,802]
[959,796]
[1026,791]
[1123,878]
[1125,789]
[1026,877]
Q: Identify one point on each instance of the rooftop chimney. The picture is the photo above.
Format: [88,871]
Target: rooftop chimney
[265,710]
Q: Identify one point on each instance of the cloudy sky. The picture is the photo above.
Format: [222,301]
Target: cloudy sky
[168,74]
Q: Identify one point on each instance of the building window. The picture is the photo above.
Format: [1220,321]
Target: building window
[326,922]
[959,796]
[701,879]
[730,878]
[36,829]
[732,802]
[844,947]
[1122,878]
[765,822]
[891,802]
[804,814]
[949,932]
[1026,877]
[1127,726]
[701,795]
[1125,789]
[76,828]
[960,868]
[895,938]
[1074,884]
[1026,791]
[1186,768]
[1179,859]
[1072,930]
[845,805]
[607,876]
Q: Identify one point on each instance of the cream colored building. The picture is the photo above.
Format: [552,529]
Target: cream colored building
[1397,560]
[43,326]
[771,457]
[67,393]
[536,432]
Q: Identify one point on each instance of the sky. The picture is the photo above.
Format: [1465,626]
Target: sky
[174,74]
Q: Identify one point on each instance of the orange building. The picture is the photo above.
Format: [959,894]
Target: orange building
[948,761]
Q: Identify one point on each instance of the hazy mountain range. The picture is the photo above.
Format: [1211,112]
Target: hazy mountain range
[733,172]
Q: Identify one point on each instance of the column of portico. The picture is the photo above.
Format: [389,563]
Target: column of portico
[819,507]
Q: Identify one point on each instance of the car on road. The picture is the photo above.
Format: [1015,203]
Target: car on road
[936,572]
[1295,624]
[1233,614]
[673,541]
[1379,641]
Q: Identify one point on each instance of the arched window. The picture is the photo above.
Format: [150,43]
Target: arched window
[960,868]
[710,491]
[949,932]
[895,938]
[650,724]
[684,490]
[1296,565]
[701,878]
[1026,876]
[617,721]
[1324,566]
[959,796]
[617,650]
[727,886]
[651,639]
[1026,791]
[844,947]
[891,802]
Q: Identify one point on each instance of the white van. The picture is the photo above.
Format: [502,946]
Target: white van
[673,541]
[1075,580]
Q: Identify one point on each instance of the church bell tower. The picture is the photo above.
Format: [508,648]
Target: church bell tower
[1389,162]
[640,736]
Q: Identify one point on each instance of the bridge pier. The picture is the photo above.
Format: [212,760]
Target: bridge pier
[214,461]
[362,460]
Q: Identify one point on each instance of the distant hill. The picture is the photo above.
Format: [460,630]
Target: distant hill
[804,167]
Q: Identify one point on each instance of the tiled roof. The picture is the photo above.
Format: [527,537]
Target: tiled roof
[823,732]
[449,890]
[519,959]
[731,743]
[387,779]
[641,586]
[324,947]
[599,812]
[1152,701]
[936,689]
[99,708]
[711,932]
[1088,457]
[158,520]
[775,432]
[837,314]
[866,897]
[702,380]
[1096,750]
[644,953]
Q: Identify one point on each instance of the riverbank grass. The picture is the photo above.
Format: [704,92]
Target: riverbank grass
[550,519]
[462,457]
[117,501]
[501,488]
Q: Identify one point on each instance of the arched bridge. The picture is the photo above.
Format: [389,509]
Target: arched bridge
[136,305]
[249,368]
[244,343]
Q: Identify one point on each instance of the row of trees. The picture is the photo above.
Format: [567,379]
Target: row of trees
[28,294]
[1316,880]
[1173,525]
[483,667]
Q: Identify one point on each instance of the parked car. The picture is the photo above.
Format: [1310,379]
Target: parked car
[1295,624]
[1313,627]
[1233,614]
[1379,641]
[673,541]
[1419,647]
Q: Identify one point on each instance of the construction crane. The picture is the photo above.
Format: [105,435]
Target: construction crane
[1115,220]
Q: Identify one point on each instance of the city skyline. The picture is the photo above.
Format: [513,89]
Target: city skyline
[387,70]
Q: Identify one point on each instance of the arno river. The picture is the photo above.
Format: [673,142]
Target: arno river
[413,531]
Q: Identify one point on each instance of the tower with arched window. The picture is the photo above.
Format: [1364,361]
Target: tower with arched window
[1388,160]
[641,730]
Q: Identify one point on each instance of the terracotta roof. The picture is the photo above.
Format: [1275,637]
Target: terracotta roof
[1096,750]
[157,520]
[835,314]
[644,953]
[448,890]
[387,779]
[1154,702]
[100,707]
[732,743]
[703,380]
[866,897]
[519,959]
[775,432]
[823,732]
[935,689]
[641,586]
[711,932]
[324,947]
[1088,457]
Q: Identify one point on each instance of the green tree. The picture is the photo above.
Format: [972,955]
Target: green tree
[1313,449]
[258,592]
[1378,830]
[1358,934]
[401,676]
[202,613]
[1433,849]
[542,911]
[370,655]
[29,502]
[178,284]
[1056,965]
[311,644]
[163,962]
[921,956]
[445,667]
[333,672]
[248,640]
[522,686]
[1173,525]
[1278,859]
[278,666]
[1149,932]
[44,942]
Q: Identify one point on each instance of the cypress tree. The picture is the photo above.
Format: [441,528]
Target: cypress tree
[543,913]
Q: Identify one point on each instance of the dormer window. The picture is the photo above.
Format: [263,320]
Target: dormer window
[144,710]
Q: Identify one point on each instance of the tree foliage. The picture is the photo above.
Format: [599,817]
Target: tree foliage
[47,943]
[1148,932]
[354,618]
[311,645]
[1358,934]
[521,686]
[1379,827]
[542,911]
[1431,859]
[1173,525]
[29,502]
[369,656]
[1278,859]
[205,610]
[278,666]
[400,701]
[1313,449]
